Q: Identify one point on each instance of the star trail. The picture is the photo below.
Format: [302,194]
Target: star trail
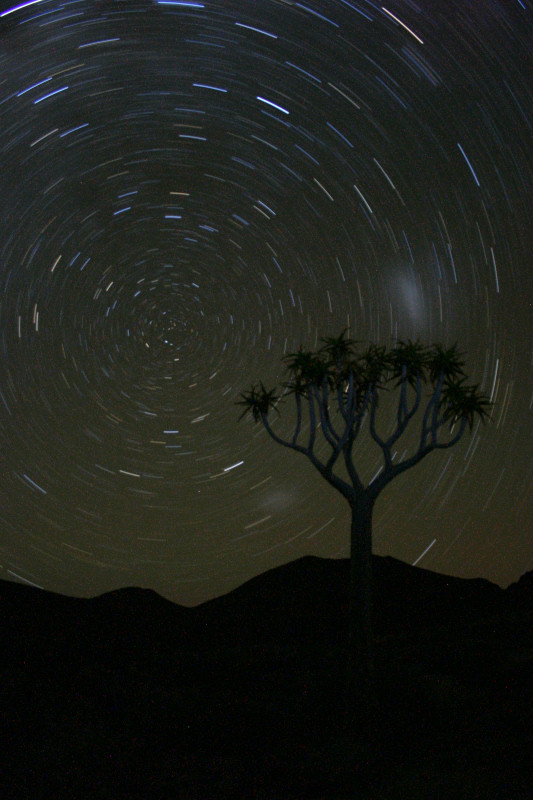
[191,190]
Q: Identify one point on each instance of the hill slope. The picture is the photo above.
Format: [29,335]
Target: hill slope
[129,695]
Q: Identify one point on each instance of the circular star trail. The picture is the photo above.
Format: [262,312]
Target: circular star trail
[192,189]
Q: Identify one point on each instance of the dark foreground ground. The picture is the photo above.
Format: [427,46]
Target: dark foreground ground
[130,696]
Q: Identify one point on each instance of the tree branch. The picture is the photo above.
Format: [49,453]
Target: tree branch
[361,413]
[373,407]
[340,445]
[312,422]
[434,421]
[330,434]
[357,483]
[292,444]
[343,408]
[385,445]
[433,403]
[402,403]
[396,469]
[404,416]
[407,415]
[344,488]
[298,418]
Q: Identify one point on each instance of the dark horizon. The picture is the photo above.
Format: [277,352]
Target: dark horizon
[131,697]
[424,573]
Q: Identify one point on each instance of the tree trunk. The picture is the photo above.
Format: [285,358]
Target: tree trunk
[361,686]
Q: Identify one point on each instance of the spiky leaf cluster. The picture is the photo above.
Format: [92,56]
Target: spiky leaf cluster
[258,400]
[338,349]
[340,366]
[307,369]
[463,402]
[445,364]
[409,361]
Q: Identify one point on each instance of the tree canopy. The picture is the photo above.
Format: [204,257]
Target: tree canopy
[341,384]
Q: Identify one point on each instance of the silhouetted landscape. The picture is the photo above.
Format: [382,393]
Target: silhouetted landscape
[128,695]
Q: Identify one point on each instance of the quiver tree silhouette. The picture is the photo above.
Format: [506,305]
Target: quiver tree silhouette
[336,390]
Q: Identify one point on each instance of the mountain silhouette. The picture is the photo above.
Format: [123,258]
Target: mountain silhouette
[128,695]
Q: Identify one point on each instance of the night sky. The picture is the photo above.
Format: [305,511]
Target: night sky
[190,190]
